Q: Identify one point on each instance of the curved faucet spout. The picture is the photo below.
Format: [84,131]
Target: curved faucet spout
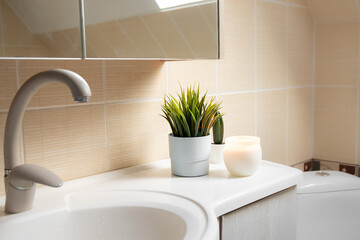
[80,91]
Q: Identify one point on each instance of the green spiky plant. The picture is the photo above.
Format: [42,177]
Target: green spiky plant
[218,129]
[191,115]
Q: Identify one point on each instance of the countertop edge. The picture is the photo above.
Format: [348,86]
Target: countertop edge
[229,205]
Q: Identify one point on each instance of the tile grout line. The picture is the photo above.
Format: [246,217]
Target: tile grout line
[18,83]
[20,45]
[190,4]
[142,100]
[63,106]
[167,76]
[155,99]
[255,71]
[341,22]
[264,90]
[106,116]
[216,78]
[2,33]
[313,93]
[18,77]
[91,104]
[287,88]
[357,94]
[286,4]
[336,86]
[67,131]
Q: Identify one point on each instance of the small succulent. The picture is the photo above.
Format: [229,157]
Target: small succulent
[218,129]
[191,115]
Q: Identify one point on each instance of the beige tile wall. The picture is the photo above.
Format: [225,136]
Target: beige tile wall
[136,134]
[300,47]
[132,80]
[300,125]
[57,94]
[8,83]
[272,124]
[337,79]
[337,53]
[298,2]
[335,124]
[121,126]
[240,114]
[2,126]
[271,54]
[337,11]
[236,70]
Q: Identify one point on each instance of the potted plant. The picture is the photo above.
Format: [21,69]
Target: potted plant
[191,118]
[217,148]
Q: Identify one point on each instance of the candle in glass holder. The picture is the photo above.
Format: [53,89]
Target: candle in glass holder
[242,155]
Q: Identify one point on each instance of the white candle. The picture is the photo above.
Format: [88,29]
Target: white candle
[242,155]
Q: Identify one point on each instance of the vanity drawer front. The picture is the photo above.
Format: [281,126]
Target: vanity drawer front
[270,218]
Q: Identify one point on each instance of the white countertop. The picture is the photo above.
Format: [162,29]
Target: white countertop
[218,191]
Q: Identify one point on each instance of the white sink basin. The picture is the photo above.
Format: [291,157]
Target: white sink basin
[133,215]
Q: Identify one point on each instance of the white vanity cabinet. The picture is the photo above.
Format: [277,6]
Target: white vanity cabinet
[258,207]
[270,218]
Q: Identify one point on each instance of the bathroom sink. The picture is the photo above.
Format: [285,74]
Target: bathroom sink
[133,215]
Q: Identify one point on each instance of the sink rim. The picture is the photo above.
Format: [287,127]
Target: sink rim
[194,215]
[208,218]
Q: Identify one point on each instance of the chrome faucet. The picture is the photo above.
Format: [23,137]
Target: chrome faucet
[21,179]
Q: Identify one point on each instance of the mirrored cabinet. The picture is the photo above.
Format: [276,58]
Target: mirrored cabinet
[156,29]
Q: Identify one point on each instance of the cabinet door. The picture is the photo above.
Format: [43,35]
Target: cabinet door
[271,218]
[161,29]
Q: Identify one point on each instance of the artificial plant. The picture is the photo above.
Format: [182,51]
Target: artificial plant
[218,129]
[191,115]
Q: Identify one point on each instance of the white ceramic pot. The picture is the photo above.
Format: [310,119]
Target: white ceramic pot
[217,151]
[242,155]
[189,155]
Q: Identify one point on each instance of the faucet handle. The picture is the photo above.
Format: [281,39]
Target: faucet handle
[21,186]
[23,176]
